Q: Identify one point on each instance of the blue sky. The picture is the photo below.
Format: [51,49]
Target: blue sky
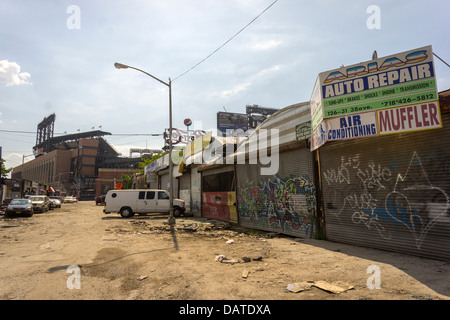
[54,60]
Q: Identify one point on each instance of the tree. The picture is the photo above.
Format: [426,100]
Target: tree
[127,181]
[147,161]
[4,171]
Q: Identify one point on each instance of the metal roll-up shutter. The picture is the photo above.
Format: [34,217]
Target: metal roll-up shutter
[284,202]
[390,192]
[219,194]
[196,195]
[165,183]
[185,191]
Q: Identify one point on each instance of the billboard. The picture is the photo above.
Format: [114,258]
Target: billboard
[231,121]
[396,80]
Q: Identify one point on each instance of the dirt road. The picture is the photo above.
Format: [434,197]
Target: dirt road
[143,258]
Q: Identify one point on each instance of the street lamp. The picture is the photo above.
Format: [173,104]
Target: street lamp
[23,161]
[124,66]
[22,175]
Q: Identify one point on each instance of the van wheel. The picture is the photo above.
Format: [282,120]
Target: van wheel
[126,212]
[176,212]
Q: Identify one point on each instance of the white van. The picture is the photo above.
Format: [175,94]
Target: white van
[129,202]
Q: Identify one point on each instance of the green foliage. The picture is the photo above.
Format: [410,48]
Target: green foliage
[4,171]
[127,181]
[147,161]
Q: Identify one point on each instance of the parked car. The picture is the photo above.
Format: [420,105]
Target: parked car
[69,199]
[54,203]
[61,199]
[19,207]
[100,199]
[40,203]
[5,203]
[129,202]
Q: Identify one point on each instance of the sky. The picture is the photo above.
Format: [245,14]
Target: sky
[58,57]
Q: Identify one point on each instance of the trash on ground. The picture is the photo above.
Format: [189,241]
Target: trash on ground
[221,258]
[332,287]
[299,286]
[232,261]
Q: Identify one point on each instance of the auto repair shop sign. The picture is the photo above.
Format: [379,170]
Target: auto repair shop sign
[397,80]
[344,128]
[409,118]
[394,94]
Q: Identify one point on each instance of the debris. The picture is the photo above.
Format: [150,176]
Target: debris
[232,261]
[336,287]
[245,274]
[205,226]
[299,286]
[220,257]
[420,297]
[230,241]
[189,228]
[271,234]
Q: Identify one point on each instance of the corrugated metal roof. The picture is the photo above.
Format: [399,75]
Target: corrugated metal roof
[285,121]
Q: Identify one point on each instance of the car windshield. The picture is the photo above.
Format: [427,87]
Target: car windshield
[20,201]
[37,198]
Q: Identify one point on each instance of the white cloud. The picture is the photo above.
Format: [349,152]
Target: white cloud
[10,74]
[13,160]
[250,81]
[236,90]
[268,70]
[266,45]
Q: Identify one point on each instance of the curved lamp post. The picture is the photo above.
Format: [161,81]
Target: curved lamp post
[124,66]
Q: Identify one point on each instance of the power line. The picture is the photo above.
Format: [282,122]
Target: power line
[441,59]
[16,131]
[226,41]
[113,134]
